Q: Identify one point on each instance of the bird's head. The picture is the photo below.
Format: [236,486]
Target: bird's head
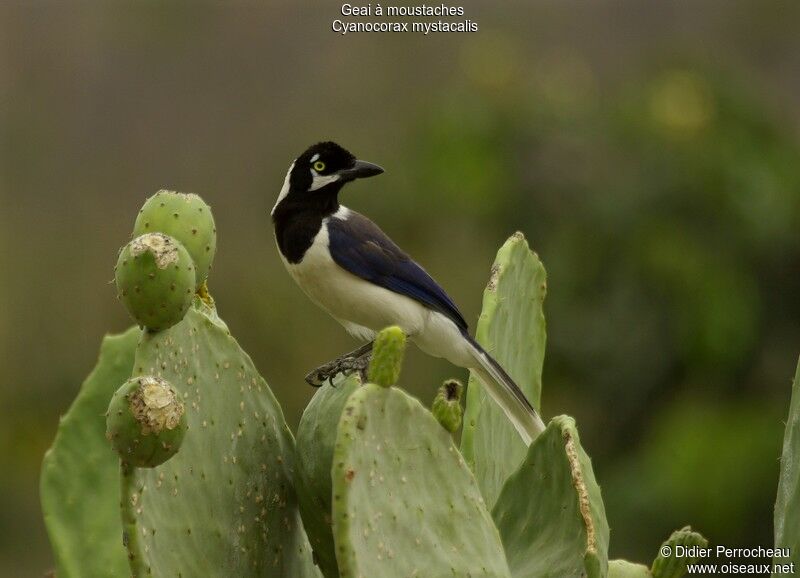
[316,176]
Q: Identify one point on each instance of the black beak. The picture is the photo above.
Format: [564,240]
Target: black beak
[360,170]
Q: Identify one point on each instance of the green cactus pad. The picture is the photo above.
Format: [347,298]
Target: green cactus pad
[675,566]
[224,505]
[387,356]
[625,569]
[404,501]
[446,406]
[316,437]
[512,328]
[787,506]
[187,218]
[550,513]
[80,476]
[146,421]
[155,280]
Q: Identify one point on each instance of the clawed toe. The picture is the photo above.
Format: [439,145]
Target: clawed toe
[345,365]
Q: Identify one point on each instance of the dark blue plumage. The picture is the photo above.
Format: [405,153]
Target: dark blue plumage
[359,246]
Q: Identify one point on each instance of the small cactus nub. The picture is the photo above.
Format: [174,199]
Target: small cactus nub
[447,405]
[387,356]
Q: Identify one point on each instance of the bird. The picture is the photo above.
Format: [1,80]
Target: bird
[351,269]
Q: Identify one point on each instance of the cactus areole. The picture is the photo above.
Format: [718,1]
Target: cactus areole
[146,421]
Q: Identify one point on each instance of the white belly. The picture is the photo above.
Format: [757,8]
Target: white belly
[364,308]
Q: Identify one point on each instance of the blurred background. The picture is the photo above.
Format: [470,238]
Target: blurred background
[649,151]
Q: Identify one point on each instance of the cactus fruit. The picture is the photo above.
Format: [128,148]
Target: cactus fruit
[387,356]
[404,501]
[80,476]
[155,280]
[146,421]
[185,217]
[787,505]
[224,505]
[674,566]
[446,406]
[316,436]
[512,328]
[550,513]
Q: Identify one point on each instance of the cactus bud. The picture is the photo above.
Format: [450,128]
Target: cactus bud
[447,405]
[185,217]
[675,566]
[155,280]
[145,422]
[387,356]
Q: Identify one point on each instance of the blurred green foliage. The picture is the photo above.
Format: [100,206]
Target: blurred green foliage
[650,154]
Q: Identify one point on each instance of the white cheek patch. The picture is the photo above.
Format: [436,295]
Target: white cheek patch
[319,181]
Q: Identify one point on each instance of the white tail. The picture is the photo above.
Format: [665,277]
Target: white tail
[506,394]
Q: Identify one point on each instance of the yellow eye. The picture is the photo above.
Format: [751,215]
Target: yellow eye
[319,166]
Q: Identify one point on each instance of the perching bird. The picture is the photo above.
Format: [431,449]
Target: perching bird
[356,273]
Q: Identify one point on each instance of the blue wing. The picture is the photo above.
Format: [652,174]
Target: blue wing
[360,247]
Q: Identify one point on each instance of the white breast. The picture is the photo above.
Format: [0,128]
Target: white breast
[360,306]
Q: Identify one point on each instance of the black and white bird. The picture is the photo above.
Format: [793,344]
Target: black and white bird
[352,270]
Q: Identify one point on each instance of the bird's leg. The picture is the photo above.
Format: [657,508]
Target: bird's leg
[347,364]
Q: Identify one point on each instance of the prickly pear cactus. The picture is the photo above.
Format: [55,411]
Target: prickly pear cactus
[79,469]
[512,328]
[186,218]
[787,505]
[380,484]
[404,501]
[224,504]
[550,513]
[316,437]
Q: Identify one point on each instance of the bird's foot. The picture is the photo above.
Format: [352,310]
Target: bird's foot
[346,365]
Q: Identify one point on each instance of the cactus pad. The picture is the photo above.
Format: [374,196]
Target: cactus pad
[79,470]
[146,421]
[224,504]
[155,280]
[446,406]
[512,329]
[387,356]
[787,506]
[405,502]
[316,437]
[185,217]
[550,513]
